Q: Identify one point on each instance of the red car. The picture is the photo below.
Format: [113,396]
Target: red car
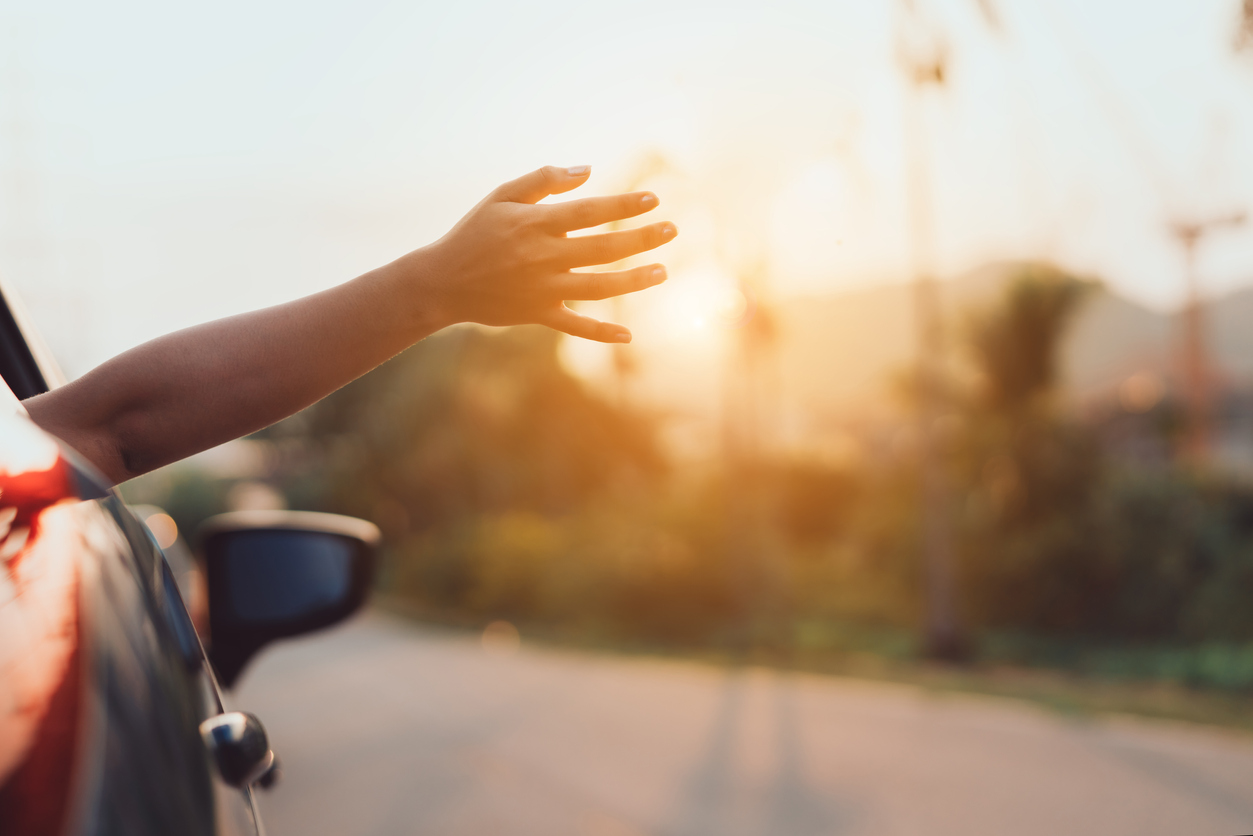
[112,716]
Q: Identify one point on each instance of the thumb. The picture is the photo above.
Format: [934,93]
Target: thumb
[539,184]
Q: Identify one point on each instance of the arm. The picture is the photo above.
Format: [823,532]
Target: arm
[507,262]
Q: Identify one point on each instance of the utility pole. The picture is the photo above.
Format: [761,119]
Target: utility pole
[1244,29]
[625,362]
[751,378]
[1195,365]
[923,57]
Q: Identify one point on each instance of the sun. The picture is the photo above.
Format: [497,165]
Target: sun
[699,305]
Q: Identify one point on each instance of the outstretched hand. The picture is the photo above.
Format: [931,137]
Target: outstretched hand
[509,261]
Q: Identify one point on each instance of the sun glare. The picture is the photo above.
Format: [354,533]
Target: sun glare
[701,303]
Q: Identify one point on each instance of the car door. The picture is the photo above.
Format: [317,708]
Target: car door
[103,682]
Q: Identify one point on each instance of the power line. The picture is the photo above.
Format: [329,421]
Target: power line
[1244,29]
[1119,118]
[1188,231]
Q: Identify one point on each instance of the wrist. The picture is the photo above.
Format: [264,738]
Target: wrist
[416,283]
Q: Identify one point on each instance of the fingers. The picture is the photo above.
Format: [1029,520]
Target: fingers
[576,325]
[594,211]
[609,247]
[593,286]
[539,184]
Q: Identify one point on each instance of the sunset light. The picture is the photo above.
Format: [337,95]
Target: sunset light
[667,418]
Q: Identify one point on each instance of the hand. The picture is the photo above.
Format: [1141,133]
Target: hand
[509,262]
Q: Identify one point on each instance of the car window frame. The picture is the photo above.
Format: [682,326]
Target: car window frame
[26,364]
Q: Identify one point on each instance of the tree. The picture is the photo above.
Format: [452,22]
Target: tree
[1030,471]
[1015,345]
[471,422]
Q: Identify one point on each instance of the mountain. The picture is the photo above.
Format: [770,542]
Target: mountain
[839,354]
[841,350]
[1231,319]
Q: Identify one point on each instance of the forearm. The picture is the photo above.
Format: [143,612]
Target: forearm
[191,390]
[507,262]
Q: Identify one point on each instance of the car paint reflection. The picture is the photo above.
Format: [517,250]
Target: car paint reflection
[40,662]
[101,687]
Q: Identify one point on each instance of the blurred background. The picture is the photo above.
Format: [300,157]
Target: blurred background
[951,386]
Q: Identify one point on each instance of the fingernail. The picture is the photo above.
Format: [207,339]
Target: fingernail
[648,200]
[578,170]
[622,337]
[668,231]
[659,275]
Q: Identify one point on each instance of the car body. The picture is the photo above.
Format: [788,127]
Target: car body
[111,718]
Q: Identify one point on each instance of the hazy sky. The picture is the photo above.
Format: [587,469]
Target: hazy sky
[163,164]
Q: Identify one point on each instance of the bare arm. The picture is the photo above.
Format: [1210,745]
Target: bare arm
[507,262]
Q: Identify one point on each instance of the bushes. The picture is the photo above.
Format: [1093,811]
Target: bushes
[622,577]
[1146,557]
[506,489]
[473,422]
[1145,560]
[1184,556]
[693,562]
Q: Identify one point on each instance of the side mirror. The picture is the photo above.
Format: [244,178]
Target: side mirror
[276,574]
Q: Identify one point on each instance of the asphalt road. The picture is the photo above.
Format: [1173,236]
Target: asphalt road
[389,728]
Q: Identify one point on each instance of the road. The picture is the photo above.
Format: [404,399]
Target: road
[385,727]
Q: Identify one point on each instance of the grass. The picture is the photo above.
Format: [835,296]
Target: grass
[1204,685]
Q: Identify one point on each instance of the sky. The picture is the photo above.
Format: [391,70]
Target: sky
[165,164]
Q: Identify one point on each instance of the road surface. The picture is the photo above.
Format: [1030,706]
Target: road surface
[385,727]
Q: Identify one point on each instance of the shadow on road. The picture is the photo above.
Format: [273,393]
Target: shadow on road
[1171,774]
[712,802]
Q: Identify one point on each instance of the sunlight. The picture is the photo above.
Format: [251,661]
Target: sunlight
[701,304]
[810,218]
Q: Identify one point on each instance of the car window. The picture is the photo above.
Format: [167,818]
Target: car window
[26,365]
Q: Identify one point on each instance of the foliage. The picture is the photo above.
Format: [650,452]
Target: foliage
[1015,345]
[472,422]
[507,489]
[1059,541]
